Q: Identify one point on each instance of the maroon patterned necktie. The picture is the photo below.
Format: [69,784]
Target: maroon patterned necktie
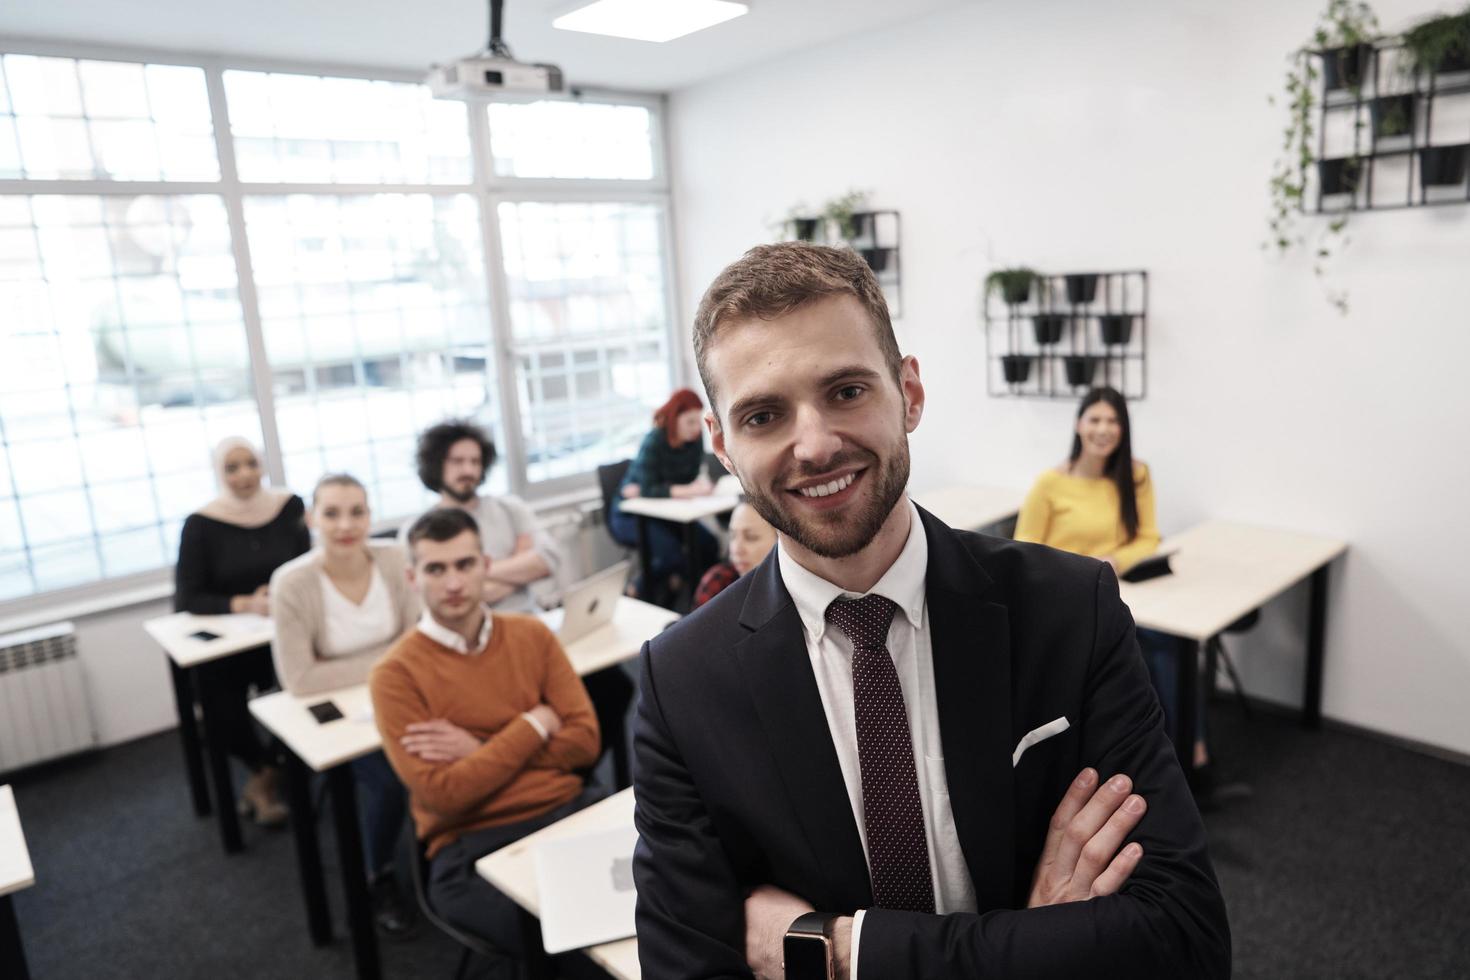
[898,849]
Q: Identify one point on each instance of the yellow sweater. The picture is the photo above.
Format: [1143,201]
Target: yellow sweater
[1081,515]
[514,775]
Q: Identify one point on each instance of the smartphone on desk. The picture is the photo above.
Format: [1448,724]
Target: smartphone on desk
[324,711]
[203,636]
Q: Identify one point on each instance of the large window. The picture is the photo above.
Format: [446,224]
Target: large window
[363,212]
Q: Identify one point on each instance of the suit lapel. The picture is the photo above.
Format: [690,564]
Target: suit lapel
[778,675]
[972,679]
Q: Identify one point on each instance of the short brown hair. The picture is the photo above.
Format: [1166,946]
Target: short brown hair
[336,480]
[772,280]
[441,524]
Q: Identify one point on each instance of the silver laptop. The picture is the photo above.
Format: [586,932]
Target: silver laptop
[586,889]
[588,604]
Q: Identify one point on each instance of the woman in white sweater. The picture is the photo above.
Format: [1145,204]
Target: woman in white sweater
[337,609]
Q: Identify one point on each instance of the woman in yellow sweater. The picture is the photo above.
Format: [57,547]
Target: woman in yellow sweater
[1100,502]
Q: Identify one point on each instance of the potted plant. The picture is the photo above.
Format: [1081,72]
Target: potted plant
[1014,285]
[1048,327]
[1080,368]
[1081,287]
[1393,115]
[1016,368]
[1439,44]
[1117,328]
[1442,166]
[1344,25]
[1345,66]
[1340,175]
[846,212]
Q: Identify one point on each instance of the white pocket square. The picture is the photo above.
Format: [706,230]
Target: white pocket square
[1038,735]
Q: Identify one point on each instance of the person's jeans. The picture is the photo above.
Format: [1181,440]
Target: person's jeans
[1161,654]
[383,807]
[466,900]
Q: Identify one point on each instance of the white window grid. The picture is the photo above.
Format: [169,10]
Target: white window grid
[488,189]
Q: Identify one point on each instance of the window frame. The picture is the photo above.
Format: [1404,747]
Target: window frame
[488,190]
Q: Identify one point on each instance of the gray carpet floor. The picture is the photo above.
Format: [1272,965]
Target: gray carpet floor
[1351,859]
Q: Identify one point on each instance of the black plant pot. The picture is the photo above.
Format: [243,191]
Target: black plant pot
[859,225]
[1442,166]
[1117,328]
[1340,175]
[1393,115]
[1048,327]
[805,229]
[1345,67]
[1017,368]
[877,258]
[1081,288]
[1080,369]
[1015,293]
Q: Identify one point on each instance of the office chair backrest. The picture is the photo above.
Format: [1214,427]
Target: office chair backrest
[609,478]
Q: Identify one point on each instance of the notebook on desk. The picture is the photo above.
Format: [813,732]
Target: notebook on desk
[586,889]
[588,604]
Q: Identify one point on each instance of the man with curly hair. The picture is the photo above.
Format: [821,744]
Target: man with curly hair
[454,458]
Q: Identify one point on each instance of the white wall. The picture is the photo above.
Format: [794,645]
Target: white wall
[1077,135]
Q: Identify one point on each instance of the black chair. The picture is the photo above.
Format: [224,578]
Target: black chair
[611,692]
[1217,656]
[472,945]
[714,467]
[609,478]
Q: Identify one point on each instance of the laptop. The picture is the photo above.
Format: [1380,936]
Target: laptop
[588,604]
[586,889]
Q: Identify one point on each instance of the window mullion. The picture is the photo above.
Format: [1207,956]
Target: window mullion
[260,371]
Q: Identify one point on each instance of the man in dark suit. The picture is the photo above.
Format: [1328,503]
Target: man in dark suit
[918,752]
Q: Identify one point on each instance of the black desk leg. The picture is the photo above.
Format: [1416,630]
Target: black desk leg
[645,561]
[308,850]
[1316,640]
[12,953]
[219,761]
[189,736]
[686,594]
[354,874]
[1185,723]
[538,964]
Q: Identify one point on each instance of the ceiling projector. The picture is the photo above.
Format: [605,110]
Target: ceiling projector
[494,74]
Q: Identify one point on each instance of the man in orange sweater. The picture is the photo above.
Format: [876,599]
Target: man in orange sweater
[484,720]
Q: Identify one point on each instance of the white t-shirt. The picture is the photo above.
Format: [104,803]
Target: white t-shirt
[351,627]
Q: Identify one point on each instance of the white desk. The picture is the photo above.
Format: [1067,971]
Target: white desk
[327,748]
[16,873]
[190,663]
[969,508]
[685,511]
[1221,572]
[512,870]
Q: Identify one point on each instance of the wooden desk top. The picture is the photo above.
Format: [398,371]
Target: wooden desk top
[1221,572]
[15,858]
[512,869]
[968,508]
[237,632]
[684,510]
[326,746]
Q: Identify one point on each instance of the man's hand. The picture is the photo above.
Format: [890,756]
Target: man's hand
[438,741]
[1080,859]
[769,912]
[549,719]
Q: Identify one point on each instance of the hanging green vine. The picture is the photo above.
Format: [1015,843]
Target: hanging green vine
[1344,25]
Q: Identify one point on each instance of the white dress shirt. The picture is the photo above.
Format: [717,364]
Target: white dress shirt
[446,637]
[910,645]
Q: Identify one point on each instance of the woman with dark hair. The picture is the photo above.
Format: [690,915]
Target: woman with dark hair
[1100,502]
[227,552]
[669,463]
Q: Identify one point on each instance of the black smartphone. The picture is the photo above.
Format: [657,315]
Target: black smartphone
[203,636]
[324,711]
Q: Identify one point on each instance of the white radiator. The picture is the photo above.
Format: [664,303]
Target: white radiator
[44,712]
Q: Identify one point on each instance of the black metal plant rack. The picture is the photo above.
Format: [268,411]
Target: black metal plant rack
[875,235]
[1085,329]
[1362,178]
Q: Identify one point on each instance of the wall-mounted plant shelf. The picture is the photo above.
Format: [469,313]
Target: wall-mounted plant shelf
[875,235]
[1059,335]
[1389,136]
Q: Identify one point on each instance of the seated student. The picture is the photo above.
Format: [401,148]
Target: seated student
[336,610]
[1100,502]
[751,539]
[669,463]
[486,723]
[227,552]
[454,458]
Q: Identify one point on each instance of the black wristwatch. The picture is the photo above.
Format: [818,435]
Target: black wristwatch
[808,947]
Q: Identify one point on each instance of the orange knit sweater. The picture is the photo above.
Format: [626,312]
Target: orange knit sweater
[514,775]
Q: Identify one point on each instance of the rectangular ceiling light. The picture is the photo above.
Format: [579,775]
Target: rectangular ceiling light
[649,20]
